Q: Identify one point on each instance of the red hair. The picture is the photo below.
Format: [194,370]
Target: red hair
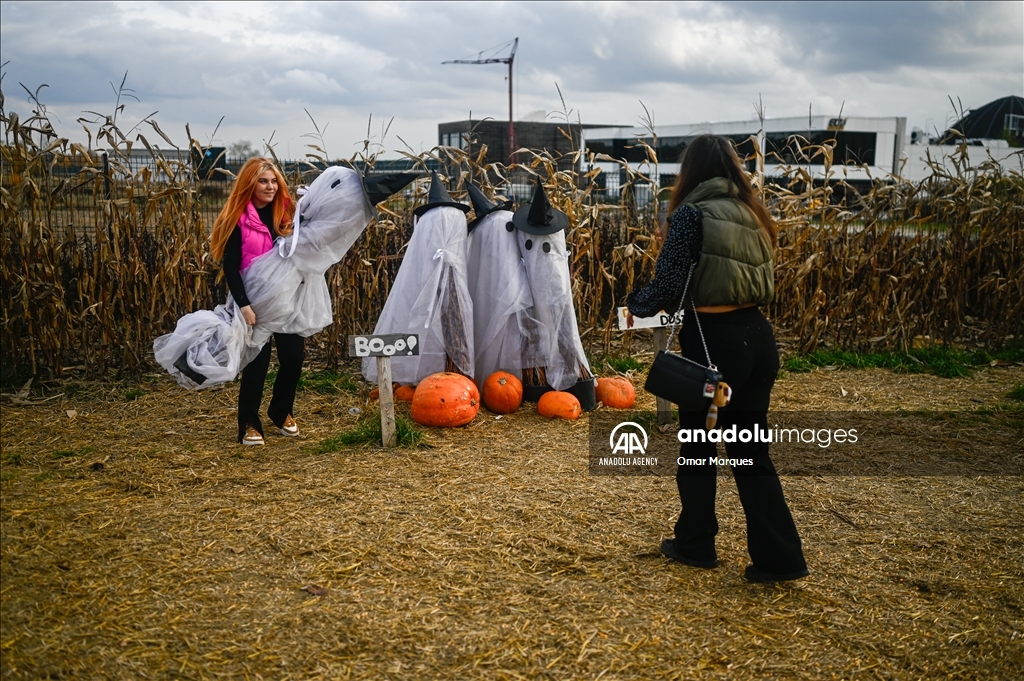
[241,194]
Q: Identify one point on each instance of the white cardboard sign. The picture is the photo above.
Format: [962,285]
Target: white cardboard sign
[384,345]
[659,320]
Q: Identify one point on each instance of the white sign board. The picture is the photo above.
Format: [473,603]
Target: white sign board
[657,321]
[384,345]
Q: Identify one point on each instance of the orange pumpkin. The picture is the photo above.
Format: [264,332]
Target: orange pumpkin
[556,403]
[616,392]
[404,393]
[503,392]
[445,400]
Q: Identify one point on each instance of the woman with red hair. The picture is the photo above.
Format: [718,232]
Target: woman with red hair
[258,211]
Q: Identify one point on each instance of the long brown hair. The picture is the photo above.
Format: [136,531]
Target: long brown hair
[241,194]
[710,156]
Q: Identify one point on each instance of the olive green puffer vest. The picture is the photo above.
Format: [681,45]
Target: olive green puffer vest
[736,265]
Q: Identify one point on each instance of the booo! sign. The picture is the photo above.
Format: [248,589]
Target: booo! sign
[385,345]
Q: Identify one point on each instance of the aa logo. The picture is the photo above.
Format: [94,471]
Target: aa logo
[625,439]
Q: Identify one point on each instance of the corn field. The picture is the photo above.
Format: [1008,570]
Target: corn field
[99,258]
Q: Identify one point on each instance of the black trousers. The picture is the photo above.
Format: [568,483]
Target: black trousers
[742,345]
[291,353]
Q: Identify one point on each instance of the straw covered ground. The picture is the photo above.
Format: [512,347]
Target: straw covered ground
[139,542]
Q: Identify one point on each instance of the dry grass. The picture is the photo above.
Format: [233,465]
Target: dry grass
[139,542]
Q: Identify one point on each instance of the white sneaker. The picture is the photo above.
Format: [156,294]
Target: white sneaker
[252,437]
[289,427]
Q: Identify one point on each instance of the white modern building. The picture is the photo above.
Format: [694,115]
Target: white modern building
[865,149]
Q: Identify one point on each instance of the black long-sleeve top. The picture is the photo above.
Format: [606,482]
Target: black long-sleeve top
[232,262]
[682,248]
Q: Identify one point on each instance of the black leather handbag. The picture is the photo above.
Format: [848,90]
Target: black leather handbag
[680,380]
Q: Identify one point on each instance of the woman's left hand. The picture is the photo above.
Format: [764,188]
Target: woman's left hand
[662,232]
[248,315]
[629,319]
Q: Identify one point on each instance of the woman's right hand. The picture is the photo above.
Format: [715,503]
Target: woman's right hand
[248,315]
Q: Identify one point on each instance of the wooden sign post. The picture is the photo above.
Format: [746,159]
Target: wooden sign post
[384,347]
[658,322]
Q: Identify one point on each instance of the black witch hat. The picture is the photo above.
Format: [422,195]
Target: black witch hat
[378,188]
[539,217]
[438,197]
[482,205]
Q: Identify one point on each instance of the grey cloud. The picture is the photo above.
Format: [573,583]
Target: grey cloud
[344,60]
[883,36]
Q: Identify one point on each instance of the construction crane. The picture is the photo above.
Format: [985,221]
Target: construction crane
[510,59]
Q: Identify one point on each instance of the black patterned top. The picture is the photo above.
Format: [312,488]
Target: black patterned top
[681,248]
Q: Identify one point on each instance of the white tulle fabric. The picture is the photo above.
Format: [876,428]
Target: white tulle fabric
[429,298]
[285,286]
[507,336]
[561,352]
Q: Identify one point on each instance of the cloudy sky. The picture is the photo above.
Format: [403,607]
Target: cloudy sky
[260,65]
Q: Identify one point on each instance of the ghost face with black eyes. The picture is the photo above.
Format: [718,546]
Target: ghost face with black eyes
[544,244]
[545,257]
[547,270]
[540,232]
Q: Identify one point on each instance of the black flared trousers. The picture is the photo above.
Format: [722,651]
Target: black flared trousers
[291,353]
[742,345]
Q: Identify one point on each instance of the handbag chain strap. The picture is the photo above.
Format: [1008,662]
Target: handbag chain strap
[678,318]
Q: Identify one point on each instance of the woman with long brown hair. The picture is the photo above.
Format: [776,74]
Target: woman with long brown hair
[258,211]
[721,239]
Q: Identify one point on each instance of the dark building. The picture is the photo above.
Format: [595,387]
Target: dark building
[553,138]
[208,161]
[999,119]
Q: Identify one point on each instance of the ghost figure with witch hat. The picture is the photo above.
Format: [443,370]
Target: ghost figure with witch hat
[560,363]
[429,297]
[504,330]
[285,285]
